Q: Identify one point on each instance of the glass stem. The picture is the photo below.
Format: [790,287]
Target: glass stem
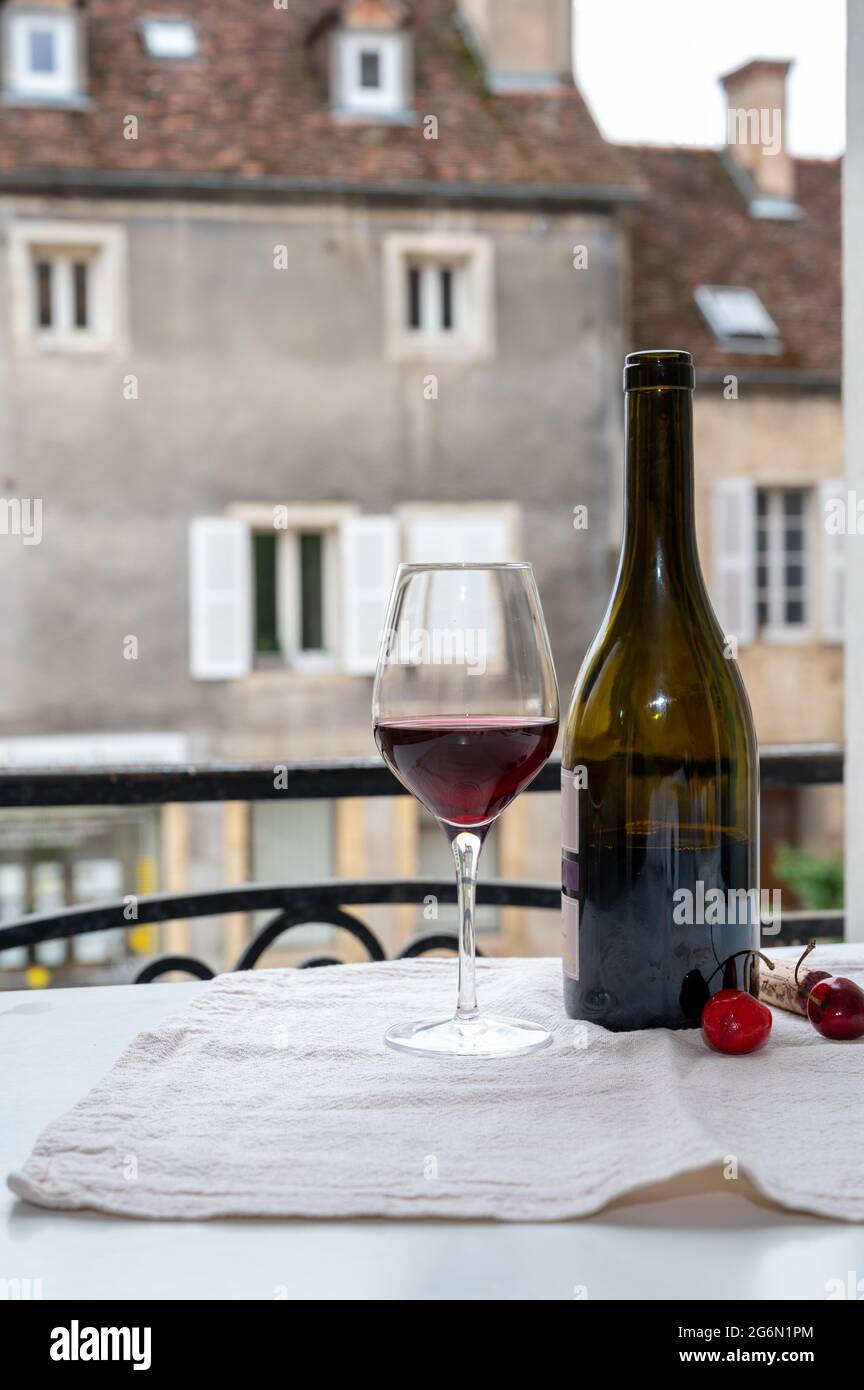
[466,848]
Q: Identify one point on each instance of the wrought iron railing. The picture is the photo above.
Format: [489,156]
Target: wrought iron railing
[298,905]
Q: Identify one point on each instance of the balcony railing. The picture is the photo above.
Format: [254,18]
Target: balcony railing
[298,905]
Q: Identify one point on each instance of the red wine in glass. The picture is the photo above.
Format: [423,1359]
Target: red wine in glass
[467,769]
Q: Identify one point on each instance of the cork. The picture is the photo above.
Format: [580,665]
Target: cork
[779,987]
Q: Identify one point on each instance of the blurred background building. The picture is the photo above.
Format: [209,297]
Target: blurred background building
[294,292]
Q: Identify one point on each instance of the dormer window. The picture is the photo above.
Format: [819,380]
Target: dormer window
[363,49]
[738,318]
[41,55]
[169,38]
[371,73]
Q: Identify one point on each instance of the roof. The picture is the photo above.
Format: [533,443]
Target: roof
[695,229]
[255,104]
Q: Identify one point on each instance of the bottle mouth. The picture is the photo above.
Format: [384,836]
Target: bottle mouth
[659,368]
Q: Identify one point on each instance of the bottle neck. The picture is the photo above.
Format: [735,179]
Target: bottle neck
[659,521]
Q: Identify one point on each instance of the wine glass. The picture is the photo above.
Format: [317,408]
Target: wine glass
[465,713]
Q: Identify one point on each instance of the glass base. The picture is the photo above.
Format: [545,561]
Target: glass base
[484,1036]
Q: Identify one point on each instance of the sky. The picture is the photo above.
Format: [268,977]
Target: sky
[649,68]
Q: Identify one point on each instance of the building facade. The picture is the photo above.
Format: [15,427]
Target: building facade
[737,255]
[294,292]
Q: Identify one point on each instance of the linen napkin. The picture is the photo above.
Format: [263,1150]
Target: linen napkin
[272,1094]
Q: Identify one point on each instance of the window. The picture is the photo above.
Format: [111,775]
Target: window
[370,76]
[738,318]
[293,577]
[431,295]
[776,566]
[53,859]
[67,285]
[370,69]
[782,562]
[41,55]
[266,599]
[305,585]
[49,895]
[169,38]
[311,577]
[98,881]
[62,291]
[439,291]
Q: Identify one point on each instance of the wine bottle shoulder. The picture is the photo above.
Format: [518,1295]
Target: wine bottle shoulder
[665,688]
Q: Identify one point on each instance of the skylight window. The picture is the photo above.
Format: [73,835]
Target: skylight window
[169,38]
[738,318]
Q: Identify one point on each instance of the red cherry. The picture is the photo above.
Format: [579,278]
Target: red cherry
[835,1007]
[734,1022]
[806,983]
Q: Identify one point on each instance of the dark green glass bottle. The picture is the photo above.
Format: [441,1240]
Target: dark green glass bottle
[660,765]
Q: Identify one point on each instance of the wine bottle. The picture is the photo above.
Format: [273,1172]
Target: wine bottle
[660,768]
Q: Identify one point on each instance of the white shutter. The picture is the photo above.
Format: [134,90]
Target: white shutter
[220,598]
[370,556]
[832,554]
[733,556]
[454,539]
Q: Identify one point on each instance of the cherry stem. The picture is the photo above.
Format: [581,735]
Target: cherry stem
[760,954]
[804,955]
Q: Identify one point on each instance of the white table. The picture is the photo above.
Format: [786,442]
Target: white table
[697,1241]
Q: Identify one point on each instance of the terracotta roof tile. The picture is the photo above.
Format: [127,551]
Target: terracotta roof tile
[255,103]
[695,229]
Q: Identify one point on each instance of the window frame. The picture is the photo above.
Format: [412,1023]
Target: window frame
[289,598]
[709,301]
[324,519]
[387,100]
[471,257]
[21,82]
[63,291]
[431,297]
[778,629]
[103,246]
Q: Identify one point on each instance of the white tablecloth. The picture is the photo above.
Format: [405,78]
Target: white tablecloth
[272,1094]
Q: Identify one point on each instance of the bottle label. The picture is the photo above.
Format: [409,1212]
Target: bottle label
[570,874]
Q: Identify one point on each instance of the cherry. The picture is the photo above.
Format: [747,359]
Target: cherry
[734,1022]
[835,1007]
[806,983]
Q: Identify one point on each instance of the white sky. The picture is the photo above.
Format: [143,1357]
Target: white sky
[649,68]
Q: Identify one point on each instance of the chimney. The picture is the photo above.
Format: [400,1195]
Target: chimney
[523,45]
[756,128]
